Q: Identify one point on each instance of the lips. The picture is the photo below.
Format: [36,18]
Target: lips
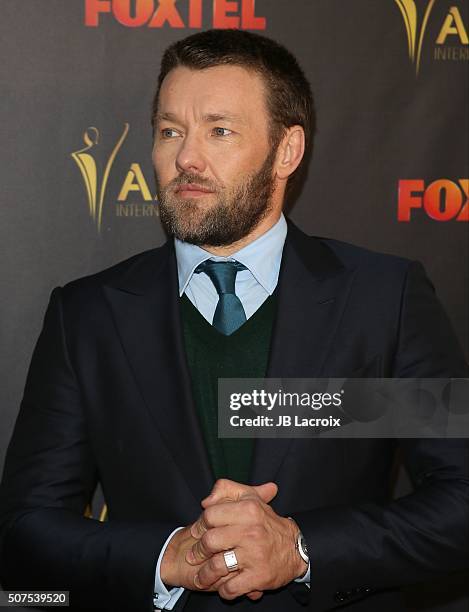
[193,187]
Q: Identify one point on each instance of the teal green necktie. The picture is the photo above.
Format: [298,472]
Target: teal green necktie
[229,313]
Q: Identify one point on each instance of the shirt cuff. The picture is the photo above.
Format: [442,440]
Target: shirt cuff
[306,578]
[164,599]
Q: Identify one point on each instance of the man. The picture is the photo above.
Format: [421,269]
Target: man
[122,384]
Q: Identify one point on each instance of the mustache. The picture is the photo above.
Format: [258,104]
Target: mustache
[189,177]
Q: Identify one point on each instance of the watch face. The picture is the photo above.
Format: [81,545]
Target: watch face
[302,548]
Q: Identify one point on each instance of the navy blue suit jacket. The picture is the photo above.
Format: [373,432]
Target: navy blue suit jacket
[108,398]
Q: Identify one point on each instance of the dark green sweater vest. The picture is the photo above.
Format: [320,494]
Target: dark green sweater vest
[211,356]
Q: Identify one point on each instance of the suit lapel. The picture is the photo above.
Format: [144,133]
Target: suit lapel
[312,293]
[144,303]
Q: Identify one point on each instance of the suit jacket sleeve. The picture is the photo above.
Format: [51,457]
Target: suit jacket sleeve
[355,550]
[49,478]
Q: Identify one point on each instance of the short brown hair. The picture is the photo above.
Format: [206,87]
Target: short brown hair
[289,97]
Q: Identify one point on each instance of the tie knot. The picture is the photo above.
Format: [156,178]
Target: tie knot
[221,273]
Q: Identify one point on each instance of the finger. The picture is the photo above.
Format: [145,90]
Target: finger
[266,491]
[241,584]
[214,587]
[248,510]
[255,595]
[212,570]
[199,527]
[213,517]
[225,490]
[214,541]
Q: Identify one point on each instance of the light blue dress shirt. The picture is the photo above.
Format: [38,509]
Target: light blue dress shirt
[262,258]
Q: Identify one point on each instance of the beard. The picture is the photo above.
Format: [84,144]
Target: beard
[235,213]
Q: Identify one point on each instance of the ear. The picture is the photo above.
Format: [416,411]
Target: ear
[290,152]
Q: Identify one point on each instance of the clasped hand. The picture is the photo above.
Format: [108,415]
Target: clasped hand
[235,517]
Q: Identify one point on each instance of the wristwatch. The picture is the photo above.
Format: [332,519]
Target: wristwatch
[302,548]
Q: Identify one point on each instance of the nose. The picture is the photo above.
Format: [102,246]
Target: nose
[190,157]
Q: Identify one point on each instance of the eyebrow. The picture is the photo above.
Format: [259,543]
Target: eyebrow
[207,118]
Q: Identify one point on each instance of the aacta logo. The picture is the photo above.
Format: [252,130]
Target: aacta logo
[442,200]
[189,13]
[452,30]
[96,182]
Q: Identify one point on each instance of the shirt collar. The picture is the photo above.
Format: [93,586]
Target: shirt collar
[262,257]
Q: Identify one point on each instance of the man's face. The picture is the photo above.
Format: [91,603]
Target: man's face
[212,155]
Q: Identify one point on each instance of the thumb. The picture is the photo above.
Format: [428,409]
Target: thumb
[229,490]
[266,491]
[225,490]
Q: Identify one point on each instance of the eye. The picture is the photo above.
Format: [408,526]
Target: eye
[168,133]
[219,131]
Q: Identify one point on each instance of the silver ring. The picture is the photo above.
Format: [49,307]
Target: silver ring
[231,560]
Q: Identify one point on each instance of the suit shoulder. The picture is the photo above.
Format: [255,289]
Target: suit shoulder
[353,256]
[336,254]
[92,283]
